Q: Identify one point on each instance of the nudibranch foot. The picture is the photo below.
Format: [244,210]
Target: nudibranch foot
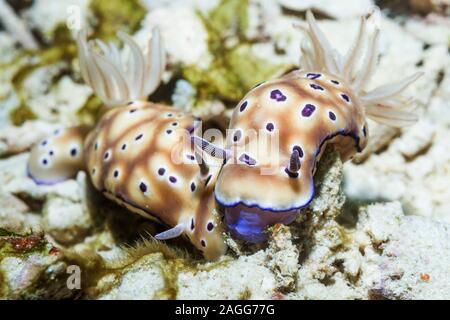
[251,223]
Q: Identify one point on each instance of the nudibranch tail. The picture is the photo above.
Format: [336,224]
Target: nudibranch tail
[57,157]
[119,77]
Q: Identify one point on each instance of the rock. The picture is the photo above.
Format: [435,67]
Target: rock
[432,30]
[416,140]
[17,217]
[283,258]
[244,278]
[47,15]
[30,133]
[142,280]
[55,102]
[31,268]
[412,265]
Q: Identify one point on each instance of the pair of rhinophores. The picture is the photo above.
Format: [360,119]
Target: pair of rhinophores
[129,155]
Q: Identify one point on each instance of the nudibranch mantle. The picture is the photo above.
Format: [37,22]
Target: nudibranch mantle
[301,114]
[325,102]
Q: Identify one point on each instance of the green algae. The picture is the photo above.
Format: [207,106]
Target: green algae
[112,16]
[64,51]
[21,114]
[235,69]
[91,111]
[246,294]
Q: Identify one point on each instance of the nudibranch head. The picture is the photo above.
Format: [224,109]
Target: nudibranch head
[140,154]
[57,157]
[279,131]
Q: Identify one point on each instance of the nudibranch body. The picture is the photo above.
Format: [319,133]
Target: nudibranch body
[280,129]
[139,154]
[141,157]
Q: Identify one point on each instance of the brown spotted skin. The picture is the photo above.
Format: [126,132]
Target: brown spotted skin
[129,158]
[305,110]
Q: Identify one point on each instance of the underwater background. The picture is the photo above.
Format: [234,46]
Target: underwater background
[378,228]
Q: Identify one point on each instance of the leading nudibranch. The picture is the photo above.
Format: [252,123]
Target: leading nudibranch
[323,103]
[137,154]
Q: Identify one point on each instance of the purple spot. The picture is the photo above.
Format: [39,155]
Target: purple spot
[73,152]
[190,157]
[270,127]
[133,110]
[96,146]
[93,171]
[247,159]
[277,95]
[139,137]
[131,102]
[210,226]
[332,115]
[44,143]
[243,106]
[308,110]
[174,124]
[299,150]
[313,76]
[291,174]
[237,136]
[161,171]
[56,132]
[192,224]
[345,97]
[143,187]
[169,115]
[364,131]
[169,131]
[124,146]
[203,243]
[335,81]
[51,152]
[316,86]
[192,186]
[172,179]
[45,162]
[106,156]
[116,173]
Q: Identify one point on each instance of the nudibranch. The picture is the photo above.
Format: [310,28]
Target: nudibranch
[280,129]
[140,154]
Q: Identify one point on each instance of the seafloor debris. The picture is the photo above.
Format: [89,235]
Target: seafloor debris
[377,230]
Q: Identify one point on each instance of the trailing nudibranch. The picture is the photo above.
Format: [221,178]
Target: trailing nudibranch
[324,102]
[136,155]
